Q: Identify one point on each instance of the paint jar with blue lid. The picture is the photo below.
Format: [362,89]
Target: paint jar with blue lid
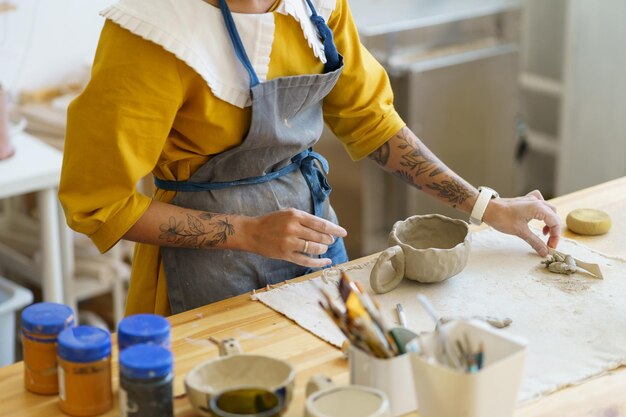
[146,378]
[84,355]
[143,328]
[41,325]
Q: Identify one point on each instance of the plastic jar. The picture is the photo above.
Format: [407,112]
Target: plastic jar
[143,328]
[41,324]
[146,381]
[85,371]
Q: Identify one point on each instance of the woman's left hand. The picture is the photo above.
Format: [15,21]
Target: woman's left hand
[511,215]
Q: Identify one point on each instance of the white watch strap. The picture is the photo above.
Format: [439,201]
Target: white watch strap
[484,195]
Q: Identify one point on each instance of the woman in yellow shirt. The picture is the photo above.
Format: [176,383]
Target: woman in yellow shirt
[224,108]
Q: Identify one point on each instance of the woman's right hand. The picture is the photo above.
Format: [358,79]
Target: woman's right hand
[291,235]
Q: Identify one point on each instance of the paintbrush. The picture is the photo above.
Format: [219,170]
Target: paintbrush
[344,286]
[374,313]
[375,339]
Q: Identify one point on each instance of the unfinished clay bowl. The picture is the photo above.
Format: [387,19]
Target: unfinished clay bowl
[427,249]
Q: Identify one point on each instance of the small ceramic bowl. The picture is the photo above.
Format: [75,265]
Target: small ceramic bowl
[428,248]
[348,401]
[240,370]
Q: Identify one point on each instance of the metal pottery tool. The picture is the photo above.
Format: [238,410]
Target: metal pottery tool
[445,354]
[401,315]
[593,269]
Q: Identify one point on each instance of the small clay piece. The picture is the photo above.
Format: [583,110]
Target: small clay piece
[560,263]
[572,263]
[498,323]
[589,222]
[561,268]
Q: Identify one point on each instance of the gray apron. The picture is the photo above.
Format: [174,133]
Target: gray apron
[273,168]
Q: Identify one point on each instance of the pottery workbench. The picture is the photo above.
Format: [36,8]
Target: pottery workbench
[263,331]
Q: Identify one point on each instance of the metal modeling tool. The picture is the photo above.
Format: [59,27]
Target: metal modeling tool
[401,315]
[593,269]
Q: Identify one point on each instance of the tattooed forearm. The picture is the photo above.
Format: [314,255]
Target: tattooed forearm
[404,149]
[194,232]
[381,155]
[413,157]
[407,158]
[437,171]
[407,177]
[451,190]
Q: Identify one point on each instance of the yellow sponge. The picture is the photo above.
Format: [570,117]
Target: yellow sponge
[589,222]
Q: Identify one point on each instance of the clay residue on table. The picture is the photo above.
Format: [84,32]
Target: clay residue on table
[570,284]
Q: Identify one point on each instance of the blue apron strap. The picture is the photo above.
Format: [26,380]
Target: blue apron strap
[190,186]
[333,59]
[314,177]
[316,180]
[237,44]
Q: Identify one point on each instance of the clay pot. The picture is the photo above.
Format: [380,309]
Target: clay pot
[427,249]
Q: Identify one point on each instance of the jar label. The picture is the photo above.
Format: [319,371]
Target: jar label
[61,383]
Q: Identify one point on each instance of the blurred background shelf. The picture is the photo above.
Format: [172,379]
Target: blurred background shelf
[573,93]
[516,95]
[454,69]
[541,84]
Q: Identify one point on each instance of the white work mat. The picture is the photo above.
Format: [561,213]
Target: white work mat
[575,325]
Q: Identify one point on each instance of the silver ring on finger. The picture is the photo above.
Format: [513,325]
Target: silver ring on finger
[306,246]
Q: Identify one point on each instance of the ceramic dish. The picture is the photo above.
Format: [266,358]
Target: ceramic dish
[240,370]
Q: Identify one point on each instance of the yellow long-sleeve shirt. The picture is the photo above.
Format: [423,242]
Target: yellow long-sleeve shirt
[145,110]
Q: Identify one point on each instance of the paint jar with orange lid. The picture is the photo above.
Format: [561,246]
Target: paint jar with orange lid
[41,324]
[85,371]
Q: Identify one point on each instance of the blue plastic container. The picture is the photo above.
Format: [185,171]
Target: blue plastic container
[143,328]
[85,371]
[84,344]
[146,381]
[47,318]
[41,324]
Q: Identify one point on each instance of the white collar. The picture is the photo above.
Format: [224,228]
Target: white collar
[194,32]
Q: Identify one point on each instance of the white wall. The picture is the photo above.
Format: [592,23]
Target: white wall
[45,42]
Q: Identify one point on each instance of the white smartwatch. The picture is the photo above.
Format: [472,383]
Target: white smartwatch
[485,194]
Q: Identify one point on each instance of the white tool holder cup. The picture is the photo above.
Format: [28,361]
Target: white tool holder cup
[393,376]
[492,391]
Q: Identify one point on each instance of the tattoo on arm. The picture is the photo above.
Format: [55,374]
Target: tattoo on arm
[381,155]
[196,233]
[437,171]
[413,157]
[407,177]
[451,190]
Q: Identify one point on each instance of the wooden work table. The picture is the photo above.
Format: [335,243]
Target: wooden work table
[263,331]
